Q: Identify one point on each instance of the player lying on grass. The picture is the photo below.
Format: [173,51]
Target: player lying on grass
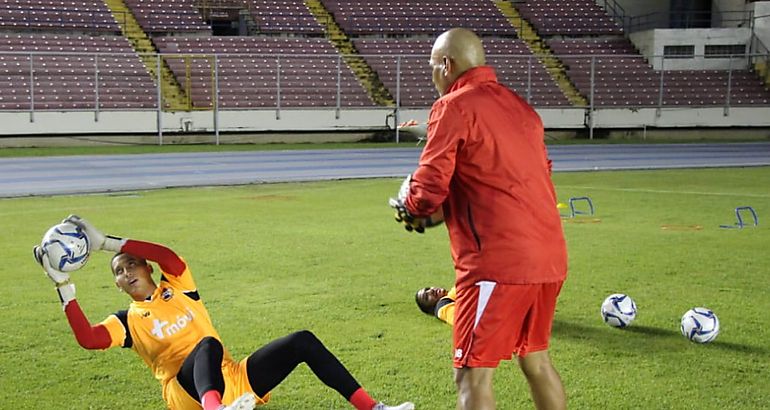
[437,302]
[169,327]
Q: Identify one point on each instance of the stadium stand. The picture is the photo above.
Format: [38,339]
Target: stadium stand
[284,17]
[83,15]
[168,16]
[576,17]
[415,17]
[71,72]
[619,66]
[511,58]
[290,63]
[251,69]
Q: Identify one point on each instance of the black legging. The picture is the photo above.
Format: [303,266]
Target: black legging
[267,367]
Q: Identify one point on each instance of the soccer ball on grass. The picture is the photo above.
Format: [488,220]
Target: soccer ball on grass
[700,325]
[67,247]
[618,310]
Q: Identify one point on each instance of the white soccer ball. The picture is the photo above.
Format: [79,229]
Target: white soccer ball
[700,325]
[67,247]
[618,310]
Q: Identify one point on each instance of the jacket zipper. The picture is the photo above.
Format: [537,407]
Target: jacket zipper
[473,228]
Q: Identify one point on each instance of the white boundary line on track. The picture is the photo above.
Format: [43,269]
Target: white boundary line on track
[663,191]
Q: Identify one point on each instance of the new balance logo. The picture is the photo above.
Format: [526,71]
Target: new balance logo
[161,328]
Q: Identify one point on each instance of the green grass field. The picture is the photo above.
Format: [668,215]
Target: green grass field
[272,259]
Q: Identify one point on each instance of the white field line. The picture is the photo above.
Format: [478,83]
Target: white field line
[664,191]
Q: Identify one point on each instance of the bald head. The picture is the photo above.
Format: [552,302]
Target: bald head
[455,52]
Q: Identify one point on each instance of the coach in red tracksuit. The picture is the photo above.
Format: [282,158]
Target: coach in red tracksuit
[486,165]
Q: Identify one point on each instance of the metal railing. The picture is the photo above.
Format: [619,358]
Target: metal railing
[686,19]
[616,11]
[37,81]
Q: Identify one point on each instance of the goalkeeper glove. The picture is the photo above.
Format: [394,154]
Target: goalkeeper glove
[97,240]
[64,288]
[402,215]
[411,223]
[403,191]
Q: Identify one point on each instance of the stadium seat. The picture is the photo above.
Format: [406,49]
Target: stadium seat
[168,16]
[255,70]
[573,18]
[510,57]
[84,74]
[618,65]
[415,17]
[69,15]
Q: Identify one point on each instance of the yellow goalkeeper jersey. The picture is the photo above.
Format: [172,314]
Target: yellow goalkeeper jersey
[164,329]
[445,308]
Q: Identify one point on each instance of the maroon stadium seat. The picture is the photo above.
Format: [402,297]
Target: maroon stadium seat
[618,66]
[249,68]
[69,80]
[510,57]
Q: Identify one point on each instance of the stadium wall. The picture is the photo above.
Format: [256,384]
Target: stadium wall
[364,120]
[651,43]
[761,21]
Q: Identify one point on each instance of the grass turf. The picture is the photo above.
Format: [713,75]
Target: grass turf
[272,259]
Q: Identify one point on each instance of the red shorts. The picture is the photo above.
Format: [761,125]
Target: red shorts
[493,321]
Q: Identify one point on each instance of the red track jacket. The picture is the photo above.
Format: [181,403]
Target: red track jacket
[486,163]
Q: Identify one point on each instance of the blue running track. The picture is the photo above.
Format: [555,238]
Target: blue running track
[33,176]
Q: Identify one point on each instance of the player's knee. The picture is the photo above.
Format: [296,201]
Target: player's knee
[465,380]
[304,337]
[535,364]
[304,341]
[212,345]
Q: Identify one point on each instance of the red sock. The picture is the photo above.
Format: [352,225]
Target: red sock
[360,400]
[211,400]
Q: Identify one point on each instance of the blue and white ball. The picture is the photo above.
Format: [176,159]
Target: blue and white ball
[618,310]
[700,325]
[67,247]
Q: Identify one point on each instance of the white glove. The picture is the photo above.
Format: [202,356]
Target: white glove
[65,289]
[403,192]
[419,130]
[96,239]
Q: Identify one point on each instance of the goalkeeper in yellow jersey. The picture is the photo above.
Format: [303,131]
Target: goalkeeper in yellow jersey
[437,302]
[168,326]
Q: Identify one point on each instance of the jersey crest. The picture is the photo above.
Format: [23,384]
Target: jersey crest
[166,294]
